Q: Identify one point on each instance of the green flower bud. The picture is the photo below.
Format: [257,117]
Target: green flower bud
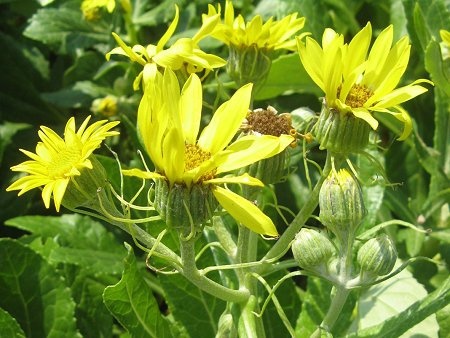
[181,207]
[377,257]
[312,250]
[248,64]
[341,132]
[82,189]
[341,203]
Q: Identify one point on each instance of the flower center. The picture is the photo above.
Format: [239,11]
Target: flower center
[268,122]
[194,157]
[357,96]
[62,162]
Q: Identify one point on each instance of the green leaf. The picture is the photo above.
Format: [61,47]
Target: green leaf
[7,131]
[64,29]
[286,74]
[9,326]
[443,317]
[198,311]
[442,235]
[82,241]
[315,305]
[34,293]
[132,303]
[438,69]
[397,306]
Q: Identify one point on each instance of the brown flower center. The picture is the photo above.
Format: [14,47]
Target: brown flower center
[268,122]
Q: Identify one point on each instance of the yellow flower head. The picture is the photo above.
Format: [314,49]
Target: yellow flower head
[169,123]
[358,81]
[58,160]
[90,8]
[270,35]
[185,52]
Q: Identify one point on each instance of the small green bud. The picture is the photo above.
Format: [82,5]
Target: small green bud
[312,250]
[341,132]
[341,203]
[377,257]
[248,64]
[180,206]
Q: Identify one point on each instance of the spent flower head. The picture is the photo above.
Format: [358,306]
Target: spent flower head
[358,81]
[57,161]
[184,54]
[169,124]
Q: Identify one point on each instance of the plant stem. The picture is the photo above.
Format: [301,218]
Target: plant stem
[191,272]
[282,245]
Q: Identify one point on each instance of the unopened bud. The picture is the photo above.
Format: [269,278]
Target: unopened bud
[341,203]
[312,250]
[377,257]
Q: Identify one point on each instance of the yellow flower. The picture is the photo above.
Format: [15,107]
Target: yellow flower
[57,161]
[445,36]
[185,52]
[271,35]
[359,82]
[90,8]
[169,123]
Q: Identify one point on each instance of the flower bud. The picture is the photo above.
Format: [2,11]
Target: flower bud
[341,132]
[248,64]
[377,256]
[341,203]
[181,207]
[312,250]
[106,106]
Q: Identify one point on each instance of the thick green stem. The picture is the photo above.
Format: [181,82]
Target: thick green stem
[191,272]
[282,245]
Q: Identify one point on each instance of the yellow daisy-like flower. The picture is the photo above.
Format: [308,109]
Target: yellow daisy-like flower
[58,160]
[183,54]
[90,8]
[358,81]
[271,35]
[169,123]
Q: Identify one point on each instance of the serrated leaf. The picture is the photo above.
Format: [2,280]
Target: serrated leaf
[286,74]
[65,30]
[34,293]
[9,326]
[390,305]
[132,303]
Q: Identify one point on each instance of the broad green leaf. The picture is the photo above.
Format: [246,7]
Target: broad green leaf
[34,293]
[395,298]
[199,312]
[82,241]
[132,303]
[9,326]
[442,235]
[315,304]
[287,74]
[85,67]
[93,318]
[438,68]
[64,29]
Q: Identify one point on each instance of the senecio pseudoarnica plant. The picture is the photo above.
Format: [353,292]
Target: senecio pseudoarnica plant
[208,176]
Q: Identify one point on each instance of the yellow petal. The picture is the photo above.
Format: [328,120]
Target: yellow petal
[245,212]
[191,103]
[252,148]
[242,179]
[173,155]
[226,121]
[311,56]
[168,34]
[399,95]
[365,115]
[148,175]
[378,54]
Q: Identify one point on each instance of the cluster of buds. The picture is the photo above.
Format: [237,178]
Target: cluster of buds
[341,212]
